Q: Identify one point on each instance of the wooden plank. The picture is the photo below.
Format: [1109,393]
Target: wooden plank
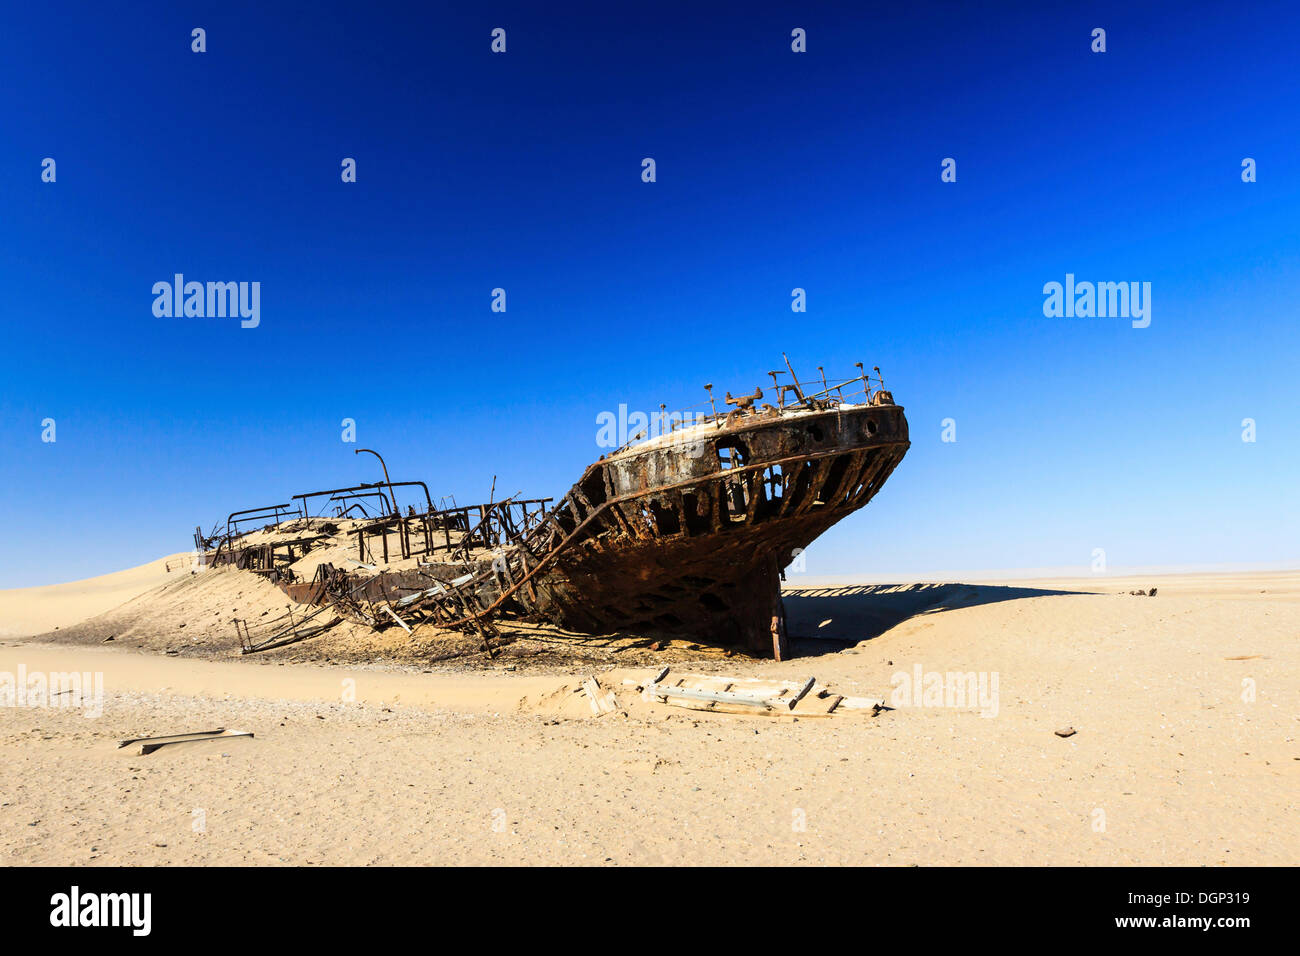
[715,707]
[149,747]
[717,697]
[818,706]
[799,694]
[602,701]
[196,735]
[750,695]
[389,611]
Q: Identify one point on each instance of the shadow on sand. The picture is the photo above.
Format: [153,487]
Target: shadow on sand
[822,620]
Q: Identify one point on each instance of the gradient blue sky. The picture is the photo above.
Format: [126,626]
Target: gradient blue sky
[775,170]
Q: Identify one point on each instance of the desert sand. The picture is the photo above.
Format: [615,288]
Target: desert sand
[33,610]
[1184,707]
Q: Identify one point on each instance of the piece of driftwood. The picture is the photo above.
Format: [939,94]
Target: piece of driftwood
[149,744]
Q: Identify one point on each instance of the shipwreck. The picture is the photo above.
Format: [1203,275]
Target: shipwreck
[686,532]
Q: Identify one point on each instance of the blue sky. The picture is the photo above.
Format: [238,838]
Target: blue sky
[775,170]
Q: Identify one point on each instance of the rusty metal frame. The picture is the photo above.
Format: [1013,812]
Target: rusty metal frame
[365,487]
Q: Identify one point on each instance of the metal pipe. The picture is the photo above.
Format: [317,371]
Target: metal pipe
[377,484]
[386,478]
[256,515]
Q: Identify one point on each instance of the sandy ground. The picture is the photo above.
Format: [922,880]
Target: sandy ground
[1185,708]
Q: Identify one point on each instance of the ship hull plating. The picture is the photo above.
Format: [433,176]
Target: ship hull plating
[689,534]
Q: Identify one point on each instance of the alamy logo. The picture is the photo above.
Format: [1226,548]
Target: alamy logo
[614,430]
[1104,300]
[103,909]
[965,690]
[53,689]
[209,300]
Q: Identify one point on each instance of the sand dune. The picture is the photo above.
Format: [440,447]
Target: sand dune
[25,611]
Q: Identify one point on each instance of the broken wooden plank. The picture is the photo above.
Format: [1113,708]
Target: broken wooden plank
[602,701]
[394,616]
[818,706]
[169,738]
[799,694]
[717,697]
[715,707]
[149,744]
[148,748]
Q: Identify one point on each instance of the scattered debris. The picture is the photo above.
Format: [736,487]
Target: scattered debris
[735,695]
[1066,732]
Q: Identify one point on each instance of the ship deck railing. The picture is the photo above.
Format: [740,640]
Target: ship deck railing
[789,396]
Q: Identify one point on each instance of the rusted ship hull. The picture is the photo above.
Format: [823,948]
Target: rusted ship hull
[686,532]
[690,534]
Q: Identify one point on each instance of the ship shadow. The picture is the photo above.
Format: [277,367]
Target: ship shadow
[824,620]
